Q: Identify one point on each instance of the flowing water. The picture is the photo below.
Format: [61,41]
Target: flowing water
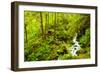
[75,47]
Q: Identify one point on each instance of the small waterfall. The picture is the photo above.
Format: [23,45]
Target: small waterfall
[75,47]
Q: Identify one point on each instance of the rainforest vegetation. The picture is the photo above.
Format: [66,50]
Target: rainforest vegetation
[49,35]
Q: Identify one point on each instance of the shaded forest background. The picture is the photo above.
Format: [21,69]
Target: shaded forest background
[49,35]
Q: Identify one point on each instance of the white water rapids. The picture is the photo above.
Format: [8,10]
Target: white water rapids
[75,47]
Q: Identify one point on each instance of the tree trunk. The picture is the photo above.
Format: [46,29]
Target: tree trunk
[41,18]
[46,24]
[25,33]
[55,26]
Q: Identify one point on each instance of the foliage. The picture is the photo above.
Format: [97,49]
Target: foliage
[49,35]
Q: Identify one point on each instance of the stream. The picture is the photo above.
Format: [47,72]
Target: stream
[75,47]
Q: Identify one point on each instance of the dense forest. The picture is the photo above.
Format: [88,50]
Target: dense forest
[54,36]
